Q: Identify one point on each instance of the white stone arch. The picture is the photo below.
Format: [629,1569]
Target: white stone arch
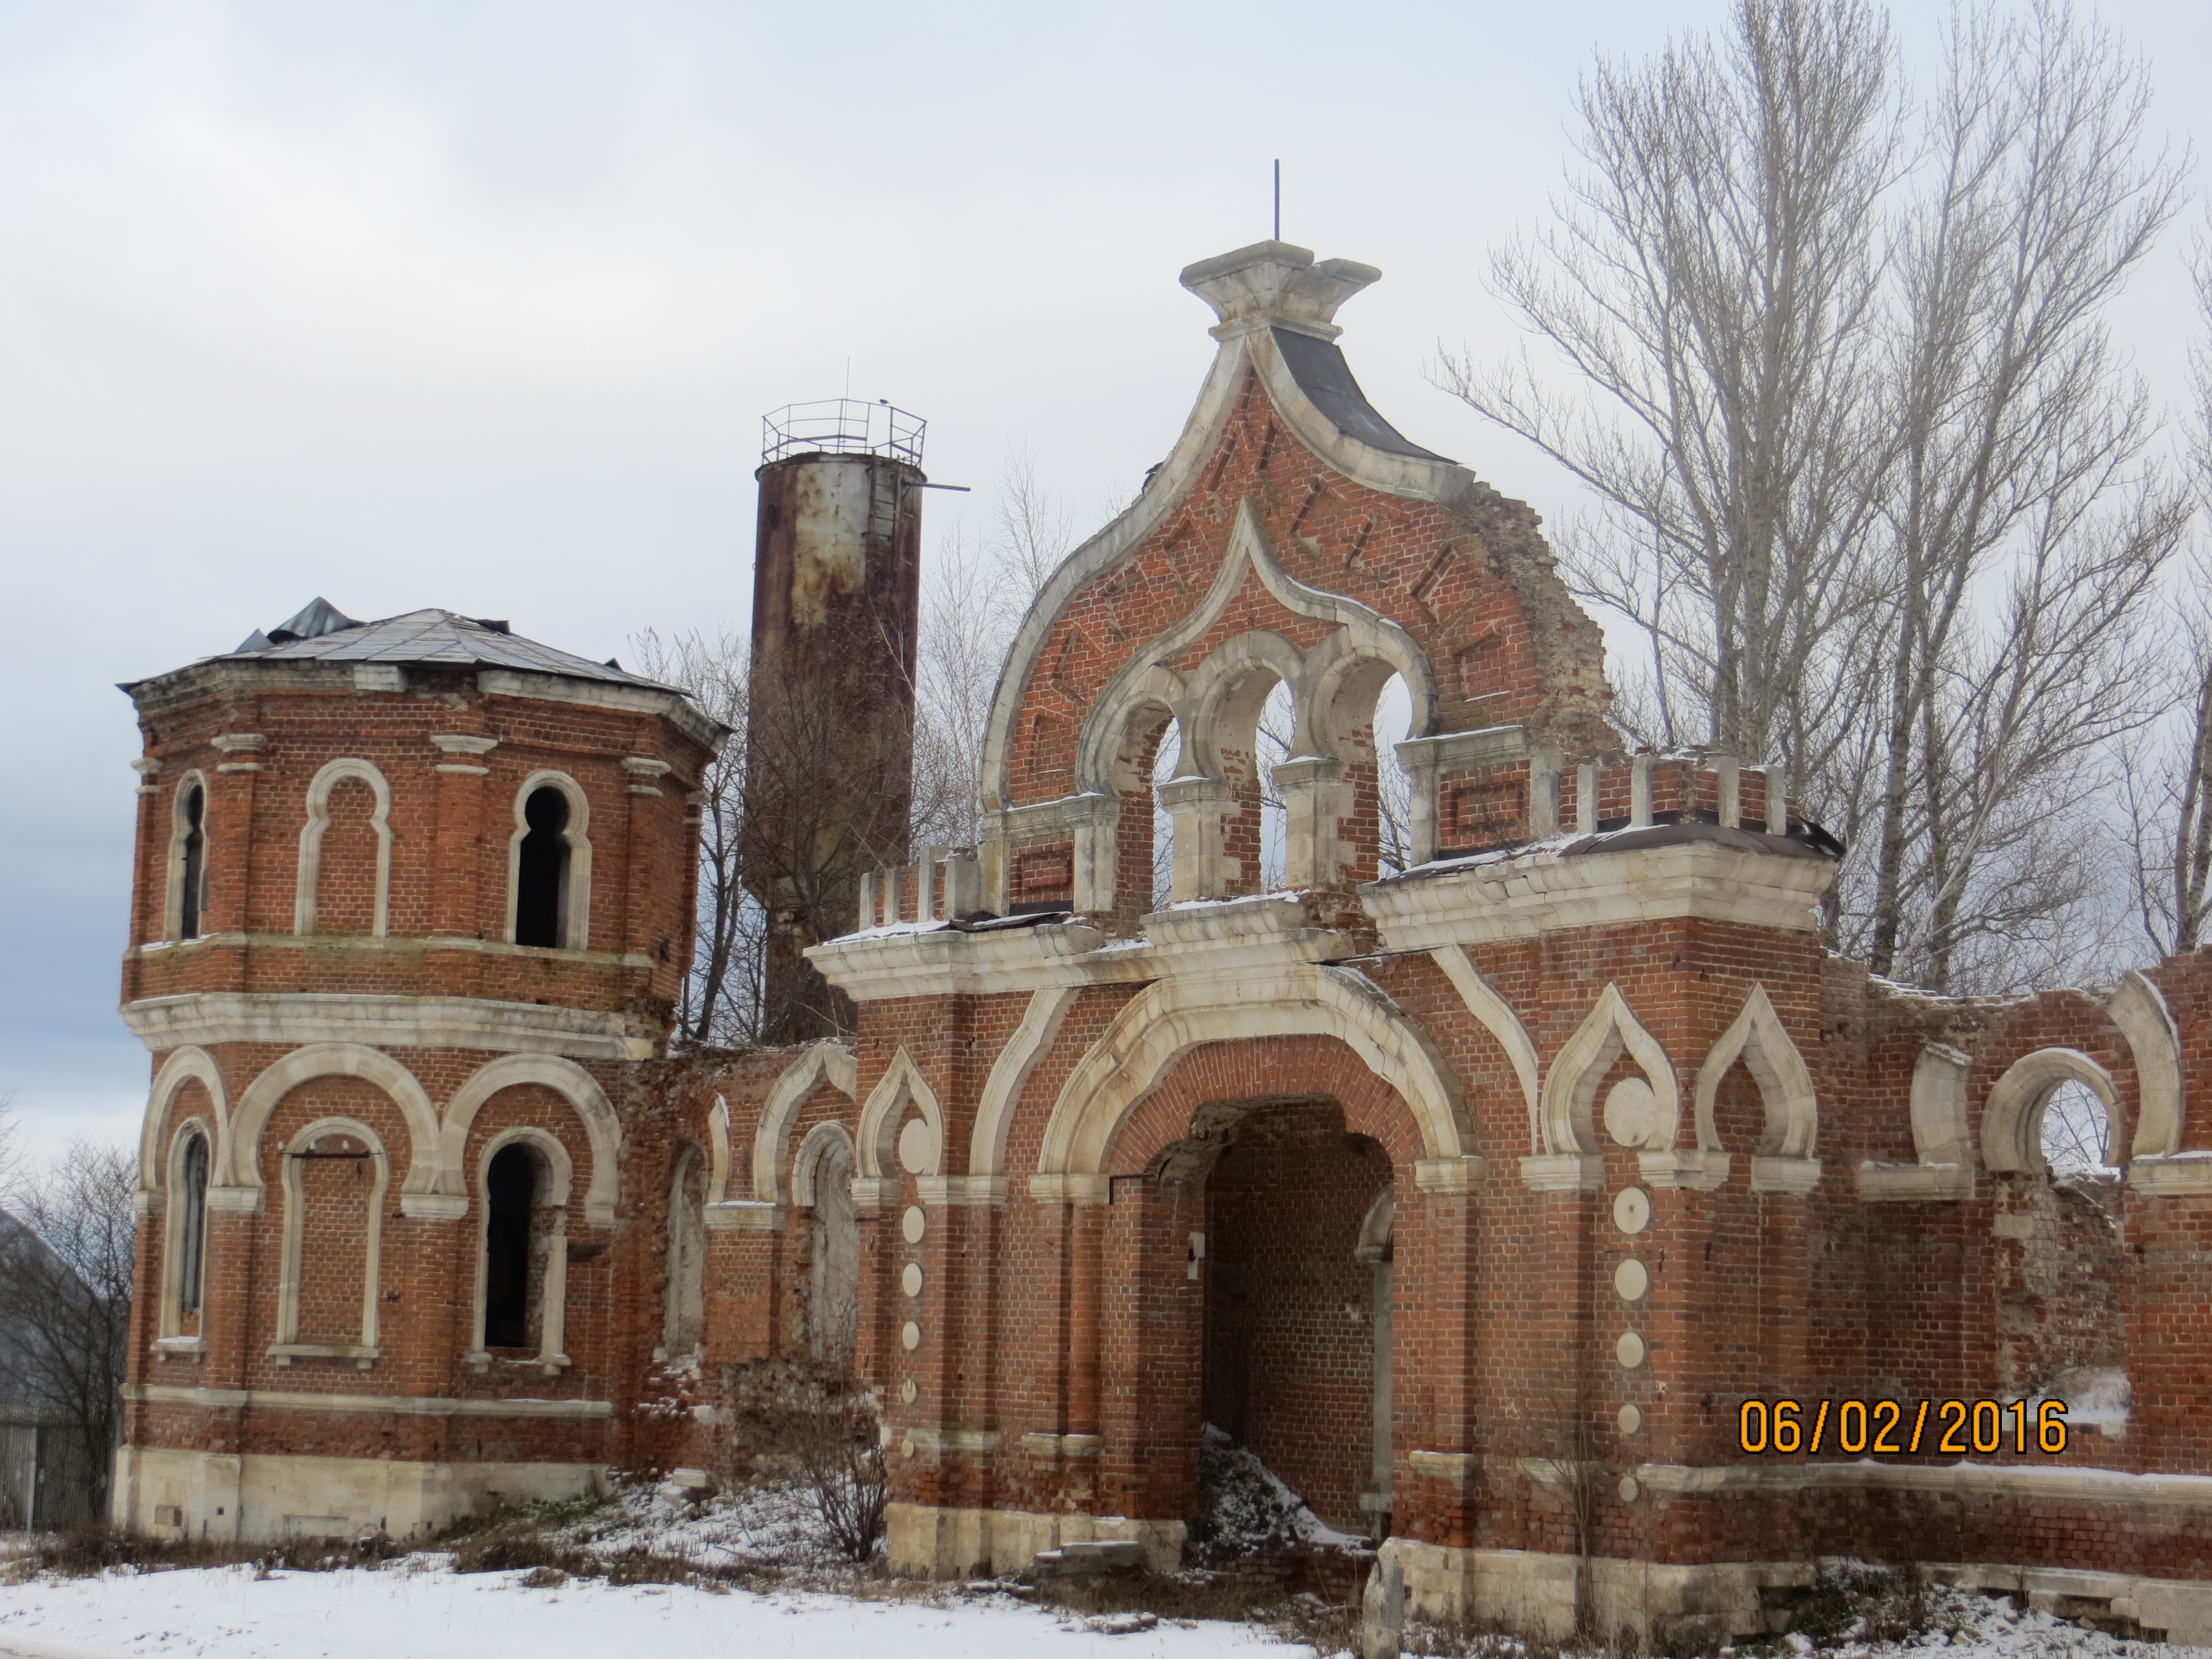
[1010,1074]
[602,1128]
[311,841]
[553,1289]
[577,833]
[1570,1085]
[2012,1118]
[2139,1010]
[1249,553]
[876,1143]
[1785,1085]
[295,1243]
[819,1140]
[1170,1016]
[1345,675]
[173,897]
[1102,764]
[239,1158]
[182,1064]
[817,1063]
[1226,694]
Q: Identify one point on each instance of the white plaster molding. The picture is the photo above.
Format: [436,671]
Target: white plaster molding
[1032,1042]
[1450,1177]
[2044,1483]
[1496,1016]
[1795,1176]
[2012,1120]
[1080,1190]
[1785,1085]
[1563,1172]
[602,1128]
[1170,1016]
[673,706]
[1570,1084]
[205,1019]
[238,1159]
[309,875]
[576,894]
[743,1215]
[1683,1169]
[1544,889]
[817,1063]
[2139,1010]
[1943,1121]
[902,1085]
[463,742]
[972,1191]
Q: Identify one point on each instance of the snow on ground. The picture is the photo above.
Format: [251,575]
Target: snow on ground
[381,1612]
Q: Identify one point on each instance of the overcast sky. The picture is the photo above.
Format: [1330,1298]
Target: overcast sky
[480,306]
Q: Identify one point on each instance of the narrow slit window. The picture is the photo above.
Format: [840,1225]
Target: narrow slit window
[541,898]
[192,1243]
[510,1196]
[193,874]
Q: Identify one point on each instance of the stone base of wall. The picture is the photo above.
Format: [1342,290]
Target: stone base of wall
[926,1541]
[1535,1593]
[261,1497]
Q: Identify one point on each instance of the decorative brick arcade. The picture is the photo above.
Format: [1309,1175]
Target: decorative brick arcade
[1469,1197]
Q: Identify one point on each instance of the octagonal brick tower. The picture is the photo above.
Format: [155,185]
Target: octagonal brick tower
[410,897]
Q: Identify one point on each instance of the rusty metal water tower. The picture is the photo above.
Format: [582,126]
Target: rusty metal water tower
[830,736]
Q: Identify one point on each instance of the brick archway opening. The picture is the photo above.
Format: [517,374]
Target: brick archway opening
[1295,1353]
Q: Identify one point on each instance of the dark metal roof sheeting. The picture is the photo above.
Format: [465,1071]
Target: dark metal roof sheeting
[443,640]
[1319,367]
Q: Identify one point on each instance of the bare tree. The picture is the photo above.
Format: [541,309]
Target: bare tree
[1710,279]
[65,1284]
[721,994]
[1874,487]
[2021,435]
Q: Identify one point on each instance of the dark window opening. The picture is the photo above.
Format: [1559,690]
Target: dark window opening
[192,1240]
[194,866]
[510,1194]
[541,877]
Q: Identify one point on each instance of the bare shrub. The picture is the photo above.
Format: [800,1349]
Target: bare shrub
[814,1421]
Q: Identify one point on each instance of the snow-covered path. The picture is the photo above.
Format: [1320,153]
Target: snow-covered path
[398,1615]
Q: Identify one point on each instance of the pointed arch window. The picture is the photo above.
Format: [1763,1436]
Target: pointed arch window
[188,841]
[549,864]
[183,1289]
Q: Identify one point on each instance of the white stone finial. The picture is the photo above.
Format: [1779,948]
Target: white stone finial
[1276,285]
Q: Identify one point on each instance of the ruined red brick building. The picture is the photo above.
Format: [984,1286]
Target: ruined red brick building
[1476,1197]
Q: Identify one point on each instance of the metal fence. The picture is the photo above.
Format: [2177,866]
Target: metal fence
[44,1478]
[842,425]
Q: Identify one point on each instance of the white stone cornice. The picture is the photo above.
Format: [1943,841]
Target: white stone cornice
[204,1018]
[2181,1174]
[1912,1183]
[1210,936]
[1721,876]
[464,743]
[169,1394]
[2049,1482]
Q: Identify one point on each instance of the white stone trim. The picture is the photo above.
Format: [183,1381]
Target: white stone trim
[819,1140]
[1032,1042]
[288,1273]
[205,1019]
[2139,1010]
[902,1084]
[2176,1175]
[304,903]
[173,901]
[576,899]
[1570,1085]
[2012,1120]
[1162,1023]
[1496,897]
[172,1318]
[817,1063]
[401,1405]
[1496,1016]
[602,1128]
[553,1289]
[1793,1114]
[1914,1183]
[182,1064]
[718,1150]
[239,1158]
[673,706]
